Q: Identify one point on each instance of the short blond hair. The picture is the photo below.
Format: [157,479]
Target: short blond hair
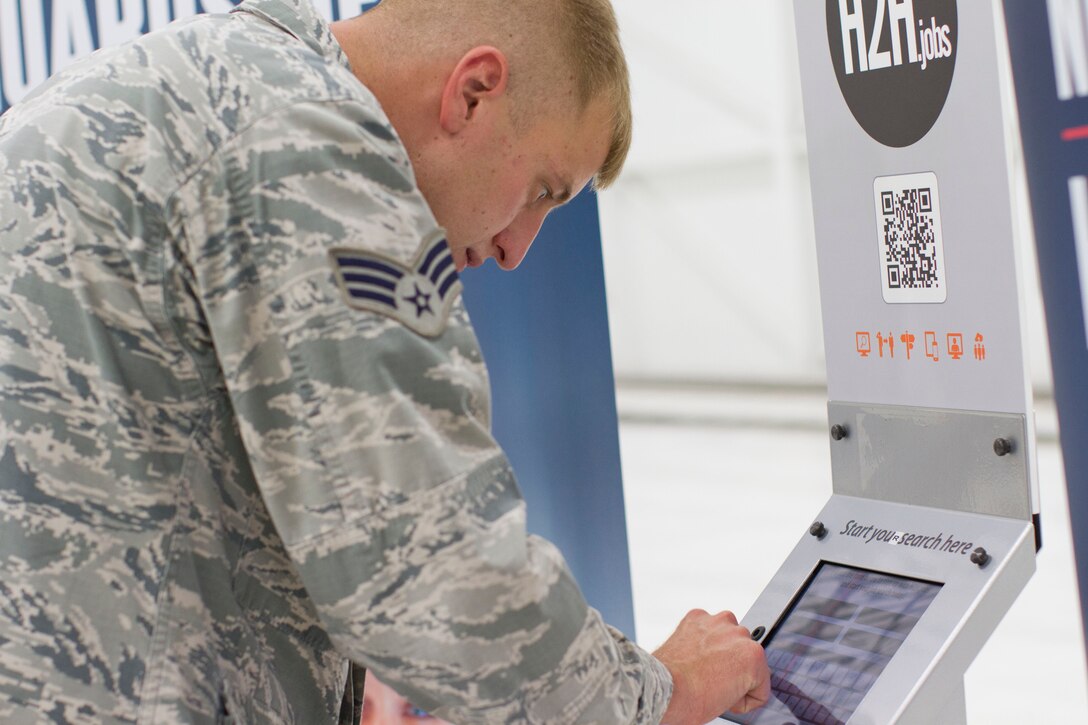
[583,34]
[593,47]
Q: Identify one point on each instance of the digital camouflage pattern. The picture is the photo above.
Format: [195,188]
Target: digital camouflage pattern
[219,480]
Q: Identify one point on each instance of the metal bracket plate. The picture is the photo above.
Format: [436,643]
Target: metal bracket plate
[931,457]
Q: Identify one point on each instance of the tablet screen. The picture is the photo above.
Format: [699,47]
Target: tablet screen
[834,641]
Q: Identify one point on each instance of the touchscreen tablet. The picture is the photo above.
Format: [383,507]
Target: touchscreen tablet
[834,641]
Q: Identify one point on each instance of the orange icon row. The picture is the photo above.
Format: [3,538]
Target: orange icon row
[886,345]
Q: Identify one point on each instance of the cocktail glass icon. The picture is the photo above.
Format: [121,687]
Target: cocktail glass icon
[908,342]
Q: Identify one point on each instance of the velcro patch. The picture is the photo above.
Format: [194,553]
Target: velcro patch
[420,297]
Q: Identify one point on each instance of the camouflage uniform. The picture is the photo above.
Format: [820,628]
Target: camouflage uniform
[243,413]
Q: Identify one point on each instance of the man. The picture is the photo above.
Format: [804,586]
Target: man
[243,416]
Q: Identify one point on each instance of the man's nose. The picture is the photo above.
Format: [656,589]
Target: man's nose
[513,242]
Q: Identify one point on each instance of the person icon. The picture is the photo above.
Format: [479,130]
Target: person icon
[955,345]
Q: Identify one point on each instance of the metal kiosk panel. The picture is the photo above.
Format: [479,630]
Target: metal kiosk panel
[922,680]
[931,531]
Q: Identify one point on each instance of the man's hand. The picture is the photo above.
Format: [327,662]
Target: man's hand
[715,666]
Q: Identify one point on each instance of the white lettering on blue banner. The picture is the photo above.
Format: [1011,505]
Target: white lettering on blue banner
[22,47]
[1078,199]
[71,33]
[1070,46]
[119,21]
[24,37]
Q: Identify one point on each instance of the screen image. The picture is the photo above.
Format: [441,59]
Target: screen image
[835,640]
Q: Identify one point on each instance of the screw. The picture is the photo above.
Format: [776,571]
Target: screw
[980,557]
[838,432]
[758,632]
[818,530]
[1002,446]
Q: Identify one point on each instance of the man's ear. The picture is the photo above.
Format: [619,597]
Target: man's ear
[480,76]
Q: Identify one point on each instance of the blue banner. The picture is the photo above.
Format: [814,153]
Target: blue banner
[40,37]
[1048,42]
[544,332]
[543,329]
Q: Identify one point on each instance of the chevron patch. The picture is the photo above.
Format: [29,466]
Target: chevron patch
[420,296]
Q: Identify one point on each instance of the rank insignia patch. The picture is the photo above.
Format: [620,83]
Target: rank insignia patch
[419,296]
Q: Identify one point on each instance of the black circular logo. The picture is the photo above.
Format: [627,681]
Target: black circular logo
[894,60]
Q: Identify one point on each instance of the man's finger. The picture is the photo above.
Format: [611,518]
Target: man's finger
[727,616]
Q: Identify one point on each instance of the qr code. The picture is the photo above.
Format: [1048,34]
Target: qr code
[911,246]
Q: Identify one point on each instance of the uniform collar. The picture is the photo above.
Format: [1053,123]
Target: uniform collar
[299,19]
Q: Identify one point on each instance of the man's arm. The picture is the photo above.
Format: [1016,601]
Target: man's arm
[370,442]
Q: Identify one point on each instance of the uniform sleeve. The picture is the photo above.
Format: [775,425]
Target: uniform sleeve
[370,441]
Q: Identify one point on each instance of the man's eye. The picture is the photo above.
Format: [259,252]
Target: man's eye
[545,193]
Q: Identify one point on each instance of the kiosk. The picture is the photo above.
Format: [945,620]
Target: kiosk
[932,526]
